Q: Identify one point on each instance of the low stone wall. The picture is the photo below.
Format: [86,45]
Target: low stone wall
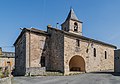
[36,71]
[5,80]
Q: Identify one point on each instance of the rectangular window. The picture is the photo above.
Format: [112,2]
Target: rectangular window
[65,29]
[42,61]
[78,42]
[105,55]
[94,52]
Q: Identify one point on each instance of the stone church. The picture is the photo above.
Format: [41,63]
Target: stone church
[65,50]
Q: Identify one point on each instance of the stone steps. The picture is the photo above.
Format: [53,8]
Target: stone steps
[75,73]
[54,74]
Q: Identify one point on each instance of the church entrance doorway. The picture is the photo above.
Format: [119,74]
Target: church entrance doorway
[77,63]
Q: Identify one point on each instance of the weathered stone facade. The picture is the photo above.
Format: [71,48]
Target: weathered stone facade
[56,47]
[117,61]
[30,48]
[92,63]
[63,50]
[20,55]
[7,60]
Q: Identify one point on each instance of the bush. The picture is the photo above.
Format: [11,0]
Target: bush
[1,74]
[4,72]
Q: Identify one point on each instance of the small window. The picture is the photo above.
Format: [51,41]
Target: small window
[65,29]
[42,61]
[94,52]
[75,27]
[87,50]
[105,55]
[78,42]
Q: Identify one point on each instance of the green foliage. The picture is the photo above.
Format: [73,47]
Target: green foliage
[4,73]
[1,74]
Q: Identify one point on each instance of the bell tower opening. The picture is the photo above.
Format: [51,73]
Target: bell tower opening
[72,24]
[75,27]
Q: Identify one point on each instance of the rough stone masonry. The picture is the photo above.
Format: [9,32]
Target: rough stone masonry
[65,50]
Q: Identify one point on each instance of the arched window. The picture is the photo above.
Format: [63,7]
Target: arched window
[94,52]
[75,27]
[105,55]
[65,29]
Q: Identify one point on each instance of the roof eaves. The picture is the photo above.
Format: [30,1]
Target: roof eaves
[30,30]
[84,38]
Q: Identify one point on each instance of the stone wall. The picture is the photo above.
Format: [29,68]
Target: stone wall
[65,26]
[117,61]
[37,71]
[85,50]
[20,56]
[4,60]
[71,27]
[56,47]
[36,49]
[31,52]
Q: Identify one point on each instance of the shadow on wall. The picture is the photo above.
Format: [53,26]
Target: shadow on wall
[44,60]
[20,59]
[21,70]
[116,74]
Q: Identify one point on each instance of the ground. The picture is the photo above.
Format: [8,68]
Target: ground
[87,78]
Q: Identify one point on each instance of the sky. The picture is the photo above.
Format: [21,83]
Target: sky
[101,18]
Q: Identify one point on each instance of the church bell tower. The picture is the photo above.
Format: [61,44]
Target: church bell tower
[72,24]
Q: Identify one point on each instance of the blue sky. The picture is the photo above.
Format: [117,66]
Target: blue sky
[101,18]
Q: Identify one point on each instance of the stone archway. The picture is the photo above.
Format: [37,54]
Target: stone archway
[77,63]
